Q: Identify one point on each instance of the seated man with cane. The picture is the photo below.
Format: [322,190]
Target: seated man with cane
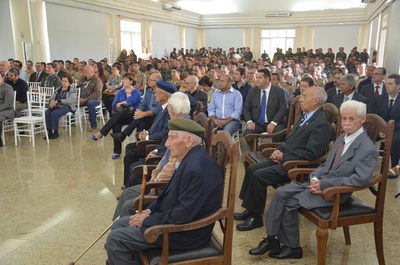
[351,162]
[195,191]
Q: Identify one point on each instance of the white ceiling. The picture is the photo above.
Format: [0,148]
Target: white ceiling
[206,7]
[234,13]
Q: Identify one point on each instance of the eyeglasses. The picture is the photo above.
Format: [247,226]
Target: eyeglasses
[376,74]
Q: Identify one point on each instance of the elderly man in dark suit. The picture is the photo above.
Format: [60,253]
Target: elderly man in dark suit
[308,140]
[388,107]
[158,129]
[265,107]
[375,89]
[351,162]
[347,86]
[194,192]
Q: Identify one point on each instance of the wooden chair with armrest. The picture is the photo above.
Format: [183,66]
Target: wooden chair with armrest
[354,211]
[200,108]
[202,119]
[224,150]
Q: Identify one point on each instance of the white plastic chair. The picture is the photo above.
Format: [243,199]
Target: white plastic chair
[8,125]
[84,112]
[33,86]
[32,124]
[235,137]
[72,118]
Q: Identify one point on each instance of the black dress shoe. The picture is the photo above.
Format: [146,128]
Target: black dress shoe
[287,253]
[54,136]
[118,136]
[267,244]
[249,224]
[242,216]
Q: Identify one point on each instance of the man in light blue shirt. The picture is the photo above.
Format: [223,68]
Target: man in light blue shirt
[226,106]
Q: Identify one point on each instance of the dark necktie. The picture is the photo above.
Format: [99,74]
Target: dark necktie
[37,77]
[302,120]
[339,152]
[390,105]
[263,108]
[376,91]
[339,91]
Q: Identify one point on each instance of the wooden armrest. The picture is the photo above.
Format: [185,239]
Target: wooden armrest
[295,172]
[151,234]
[155,185]
[302,163]
[269,145]
[138,170]
[153,160]
[251,136]
[150,147]
[329,193]
[143,143]
[147,200]
[267,152]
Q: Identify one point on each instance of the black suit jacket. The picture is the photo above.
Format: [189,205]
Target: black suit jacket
[331,92]
[382,107]
[338,99]
[368,91]
[276,105]
[33,76]
[194,192]
[307,142]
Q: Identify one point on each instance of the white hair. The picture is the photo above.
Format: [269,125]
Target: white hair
[360,107]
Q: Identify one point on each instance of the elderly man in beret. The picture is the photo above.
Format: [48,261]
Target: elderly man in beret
[158,129]
[194,191]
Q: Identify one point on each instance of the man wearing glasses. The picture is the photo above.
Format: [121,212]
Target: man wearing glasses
[376,88]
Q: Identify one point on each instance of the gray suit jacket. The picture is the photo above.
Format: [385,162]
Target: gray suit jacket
[6,102]
[355,168]
[276,105]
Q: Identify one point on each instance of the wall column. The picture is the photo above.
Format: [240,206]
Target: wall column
[201,38]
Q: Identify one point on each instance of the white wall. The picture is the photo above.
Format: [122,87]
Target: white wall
[392,55]
[224,38]
[6,35]
[165,37]
[76,33]
[336,36]
[190,38]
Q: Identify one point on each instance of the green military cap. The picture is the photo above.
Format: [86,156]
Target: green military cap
[187,126]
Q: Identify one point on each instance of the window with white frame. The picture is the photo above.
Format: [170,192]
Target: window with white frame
[271,39]
[131,36]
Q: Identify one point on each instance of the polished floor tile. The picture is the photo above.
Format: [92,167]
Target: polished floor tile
[55,199]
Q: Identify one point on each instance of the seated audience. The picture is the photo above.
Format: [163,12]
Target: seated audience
[91,91]
[145,113]
[388,107]
[191,86]
[52,79]
[376,88]
[40,72]
[178,108]
[207,86]
[99,72]
[226,106]
[265,107]
[21,87]
[158,129]
[308,140]
[113,84]
[194,192]
[124,105]
[348,86]
[62,101]
[240,82]
[6,104]
[351,162]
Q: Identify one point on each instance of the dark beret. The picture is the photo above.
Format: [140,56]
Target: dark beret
[166,86]
[187,126]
